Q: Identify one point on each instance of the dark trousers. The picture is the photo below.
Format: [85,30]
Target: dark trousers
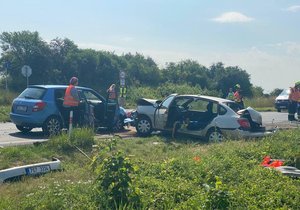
[77,115]
[292,109]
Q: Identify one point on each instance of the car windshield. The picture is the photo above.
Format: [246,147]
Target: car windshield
[33,93]
[285,92]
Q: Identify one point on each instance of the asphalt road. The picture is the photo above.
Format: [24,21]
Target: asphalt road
[9,134]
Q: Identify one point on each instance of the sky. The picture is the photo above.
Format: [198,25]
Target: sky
[261,37]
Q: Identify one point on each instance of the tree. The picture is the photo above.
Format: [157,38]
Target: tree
[25,48]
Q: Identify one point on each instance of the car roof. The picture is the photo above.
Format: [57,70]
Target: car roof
[58,87]
[211,98]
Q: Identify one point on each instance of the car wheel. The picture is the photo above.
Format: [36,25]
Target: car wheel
[143,126]
[119,125]
[278,110]
[52,126]
[23,129]
[214,135]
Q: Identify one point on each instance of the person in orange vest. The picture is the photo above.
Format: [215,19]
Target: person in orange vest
[294,99]
[111,93]
[238,98]
[72,100]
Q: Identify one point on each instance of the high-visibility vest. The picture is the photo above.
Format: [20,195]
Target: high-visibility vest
[294,94]
[237,96]
[112,94]
[69,100]
[230,96]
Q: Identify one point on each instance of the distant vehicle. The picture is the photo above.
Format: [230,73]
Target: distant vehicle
[203,116]
[42,106]
[282,100]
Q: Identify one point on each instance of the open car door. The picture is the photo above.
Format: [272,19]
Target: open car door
[161,113]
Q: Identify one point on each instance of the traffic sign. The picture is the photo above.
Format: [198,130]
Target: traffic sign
[26,71]
[122,75]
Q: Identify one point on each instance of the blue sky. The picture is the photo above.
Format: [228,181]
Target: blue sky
[261,37]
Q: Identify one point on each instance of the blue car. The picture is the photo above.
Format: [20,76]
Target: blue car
[42,106]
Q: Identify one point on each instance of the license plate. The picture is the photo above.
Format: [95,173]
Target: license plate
[22,108]
[37,170]
[282,107]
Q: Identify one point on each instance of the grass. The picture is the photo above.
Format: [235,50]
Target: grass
[161,173]
[4,113]
[261,103]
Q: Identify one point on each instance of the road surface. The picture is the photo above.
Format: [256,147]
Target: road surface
[9,134]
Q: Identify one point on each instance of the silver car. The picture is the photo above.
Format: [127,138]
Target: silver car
[204,116]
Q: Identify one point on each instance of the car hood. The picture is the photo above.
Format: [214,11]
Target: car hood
[146,102]
[282,97]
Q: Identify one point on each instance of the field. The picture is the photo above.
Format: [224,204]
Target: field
[154,173]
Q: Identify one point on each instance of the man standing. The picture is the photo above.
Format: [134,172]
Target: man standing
[294,98]
[71,99]
[238,98]
[230,94]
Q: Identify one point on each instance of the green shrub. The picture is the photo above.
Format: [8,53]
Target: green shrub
[80,137]
[114,186]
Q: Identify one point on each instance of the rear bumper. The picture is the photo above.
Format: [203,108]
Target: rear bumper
[24,120]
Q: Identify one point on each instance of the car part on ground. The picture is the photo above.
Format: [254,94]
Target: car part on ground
[29,170]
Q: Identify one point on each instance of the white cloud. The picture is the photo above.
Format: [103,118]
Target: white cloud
[295,8]
[232,17]
[290,48]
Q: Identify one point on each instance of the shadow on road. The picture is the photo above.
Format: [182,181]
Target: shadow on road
[29,135]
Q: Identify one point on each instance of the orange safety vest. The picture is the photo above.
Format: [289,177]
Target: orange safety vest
[69,100]
[112,94]
[237,96]
[294,95]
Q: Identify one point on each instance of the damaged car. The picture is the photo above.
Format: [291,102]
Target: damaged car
[41,106]
[207,117]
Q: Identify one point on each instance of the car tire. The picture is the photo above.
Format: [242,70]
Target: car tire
[214,135]
[143,126]
[278,110]
[119,125]
[23,129]
[52,126]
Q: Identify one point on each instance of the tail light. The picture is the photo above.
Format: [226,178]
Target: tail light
[39,106]
[244,123]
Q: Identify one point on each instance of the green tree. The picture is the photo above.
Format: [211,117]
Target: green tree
[25,48]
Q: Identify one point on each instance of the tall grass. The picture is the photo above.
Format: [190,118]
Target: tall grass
[260,102]
[164,174]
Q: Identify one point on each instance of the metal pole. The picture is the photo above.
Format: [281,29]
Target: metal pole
[6,79]
[70,123]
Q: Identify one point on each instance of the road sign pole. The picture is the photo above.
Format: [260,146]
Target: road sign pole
[6,79]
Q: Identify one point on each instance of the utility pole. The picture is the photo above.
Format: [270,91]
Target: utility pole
[6,65]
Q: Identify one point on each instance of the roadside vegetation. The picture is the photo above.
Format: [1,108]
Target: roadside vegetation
[154,173]
[6,98]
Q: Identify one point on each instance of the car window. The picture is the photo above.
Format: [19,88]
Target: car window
[222,110]
[167,102]
[33,93]
[234,106]
[285,92]
[203,106]
[90,96]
